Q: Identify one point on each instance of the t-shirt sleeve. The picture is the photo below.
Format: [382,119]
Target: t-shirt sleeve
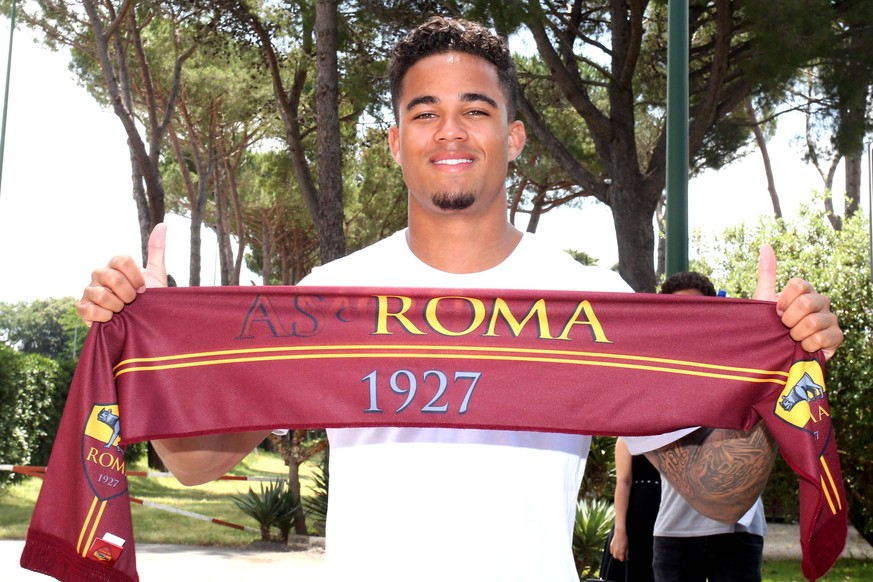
[644,444]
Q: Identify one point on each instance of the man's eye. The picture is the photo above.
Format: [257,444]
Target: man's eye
[425,115]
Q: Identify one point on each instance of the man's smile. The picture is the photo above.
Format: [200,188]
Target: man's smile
[453,161]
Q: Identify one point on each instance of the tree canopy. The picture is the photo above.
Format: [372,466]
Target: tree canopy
[48,327]
[594,88]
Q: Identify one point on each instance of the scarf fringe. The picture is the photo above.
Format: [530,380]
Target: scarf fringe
[50,555]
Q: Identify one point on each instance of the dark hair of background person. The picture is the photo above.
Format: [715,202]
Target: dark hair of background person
[688,280]
[440,35]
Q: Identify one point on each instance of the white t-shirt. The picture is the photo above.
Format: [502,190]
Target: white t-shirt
[677,519]
[454,505]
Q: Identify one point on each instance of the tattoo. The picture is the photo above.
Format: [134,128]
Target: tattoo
[719,472]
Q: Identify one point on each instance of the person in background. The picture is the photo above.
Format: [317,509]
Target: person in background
[636,502]
[688,546]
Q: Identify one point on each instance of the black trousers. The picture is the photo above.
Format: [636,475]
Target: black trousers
[735,557]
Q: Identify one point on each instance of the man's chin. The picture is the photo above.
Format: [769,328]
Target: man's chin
[453,200]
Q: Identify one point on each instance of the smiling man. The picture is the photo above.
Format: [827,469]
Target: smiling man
[447,504]
[454,140]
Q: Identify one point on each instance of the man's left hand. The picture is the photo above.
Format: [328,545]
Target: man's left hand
[805,312]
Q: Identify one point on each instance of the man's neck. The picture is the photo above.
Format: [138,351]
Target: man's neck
[459,245]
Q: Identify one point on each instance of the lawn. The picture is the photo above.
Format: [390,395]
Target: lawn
[844,570]
[153,525]
[213,500]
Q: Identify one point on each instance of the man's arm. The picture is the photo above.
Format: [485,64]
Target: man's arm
[192,460]
[719,472]
[623,480]
[196,460]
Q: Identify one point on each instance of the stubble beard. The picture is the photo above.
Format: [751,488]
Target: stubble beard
[453,200]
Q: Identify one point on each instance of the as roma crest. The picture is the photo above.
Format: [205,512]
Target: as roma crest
[102,455]
[803,402]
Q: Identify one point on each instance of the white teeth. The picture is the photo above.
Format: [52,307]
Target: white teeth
[453,162]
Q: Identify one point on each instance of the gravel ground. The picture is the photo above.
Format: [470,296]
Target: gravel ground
[194,564]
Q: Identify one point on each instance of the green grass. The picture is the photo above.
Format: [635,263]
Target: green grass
[153,525]
[213,500]
[16,507]
[844,570]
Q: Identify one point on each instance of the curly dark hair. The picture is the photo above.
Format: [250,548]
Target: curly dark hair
[440,35]
[688,280]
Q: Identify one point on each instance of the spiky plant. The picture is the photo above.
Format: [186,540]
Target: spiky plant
[270,507]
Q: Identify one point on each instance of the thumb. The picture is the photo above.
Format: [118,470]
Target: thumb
[156,272]
[766,288]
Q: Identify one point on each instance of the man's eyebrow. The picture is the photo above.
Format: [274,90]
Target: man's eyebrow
[472,97]
[465,97]
[423,100]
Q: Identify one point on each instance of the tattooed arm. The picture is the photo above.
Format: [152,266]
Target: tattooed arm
[719,472]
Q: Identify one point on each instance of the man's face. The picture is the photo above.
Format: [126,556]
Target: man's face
[452,139]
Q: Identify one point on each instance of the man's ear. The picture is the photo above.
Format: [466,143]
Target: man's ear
[394,142]
[517,139]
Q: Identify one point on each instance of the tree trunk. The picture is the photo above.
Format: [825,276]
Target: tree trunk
[331,227]
[153,460]
[765,156]
[297,499]
[236,203]
[295,454]
[198,209]
[222,228]
[121,101]
[634,232]
[142,208]
[853,182]
[267,246]
[195,242]
[536,210]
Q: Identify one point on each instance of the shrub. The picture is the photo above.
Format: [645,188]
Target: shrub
[33,390]
[593,522]
[271,507]
[316,506]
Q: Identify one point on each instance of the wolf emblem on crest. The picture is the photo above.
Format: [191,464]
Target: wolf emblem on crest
[112,421]
[806,390]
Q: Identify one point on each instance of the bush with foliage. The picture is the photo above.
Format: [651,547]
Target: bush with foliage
[837,264]
[593,522]
[599,481]
[272,507]
[316,506]
[33,390]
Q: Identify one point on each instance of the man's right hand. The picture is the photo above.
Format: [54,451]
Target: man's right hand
[122,279]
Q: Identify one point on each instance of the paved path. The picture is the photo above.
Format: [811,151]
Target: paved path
[167,563]
[783,543]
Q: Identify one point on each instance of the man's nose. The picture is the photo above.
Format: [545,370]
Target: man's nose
[450,129]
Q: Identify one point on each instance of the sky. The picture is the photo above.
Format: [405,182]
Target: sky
[66,206]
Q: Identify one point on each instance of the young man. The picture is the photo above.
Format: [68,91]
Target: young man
[440,504]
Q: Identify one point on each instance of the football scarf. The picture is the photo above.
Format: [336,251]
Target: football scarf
[194,361]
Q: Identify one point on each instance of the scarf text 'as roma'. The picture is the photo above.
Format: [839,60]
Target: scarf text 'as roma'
[184,362]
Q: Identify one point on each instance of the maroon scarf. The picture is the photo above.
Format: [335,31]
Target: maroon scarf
[182,362]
